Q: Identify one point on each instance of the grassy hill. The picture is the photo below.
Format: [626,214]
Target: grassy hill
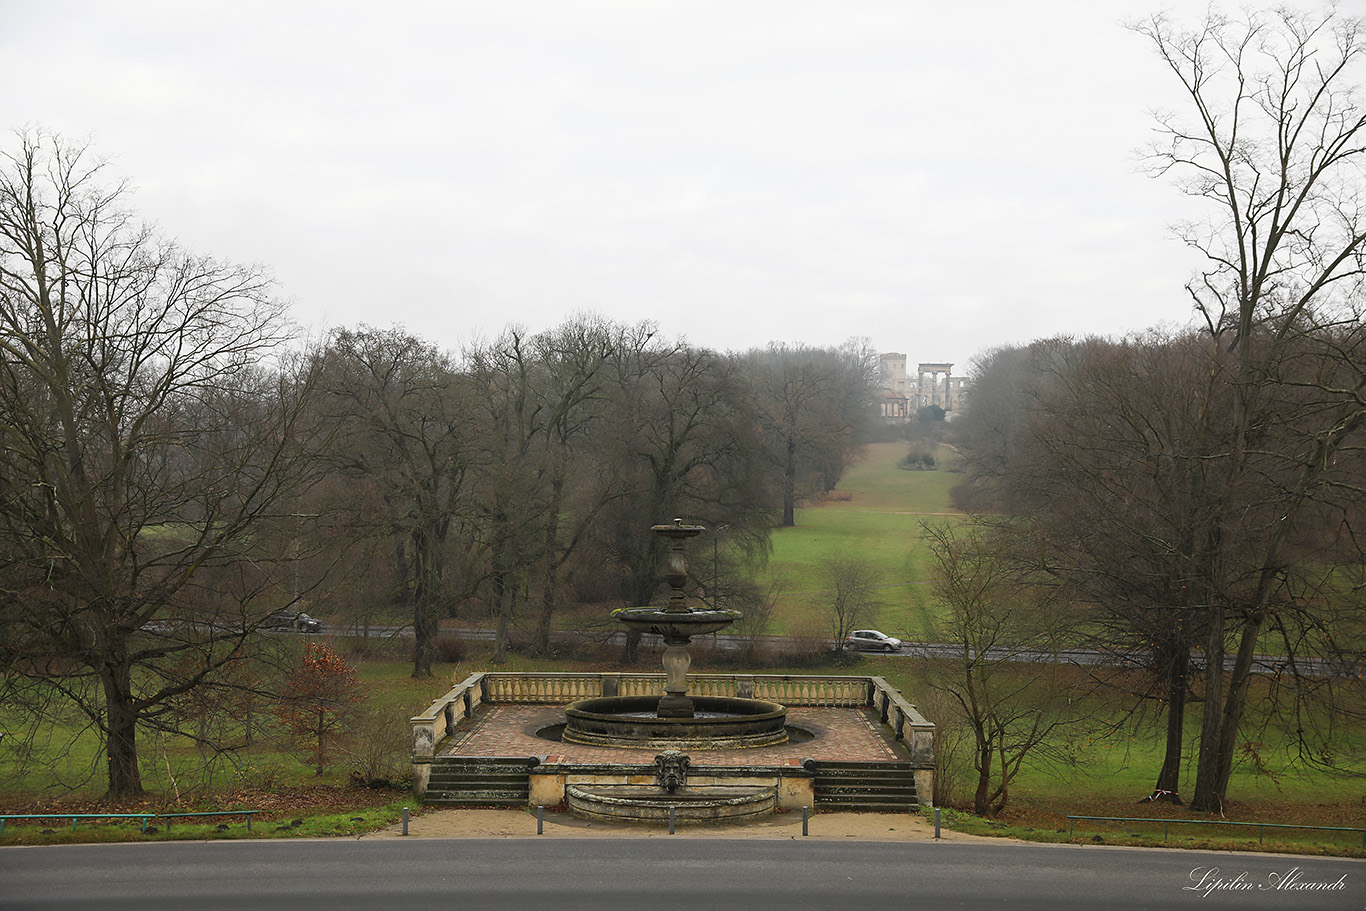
[874,513]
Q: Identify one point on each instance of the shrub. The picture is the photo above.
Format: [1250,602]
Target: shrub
[380,743]
[918,458]
[320,700]
[449,648]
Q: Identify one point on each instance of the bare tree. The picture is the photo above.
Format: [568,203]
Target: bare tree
[851,596]
[813,405]
[997,618]
[1275,148]
[573,392]
[406,425]
[1111,454]
[1118,455]
[756,605]
[511,494]
[683,441]
[148,453]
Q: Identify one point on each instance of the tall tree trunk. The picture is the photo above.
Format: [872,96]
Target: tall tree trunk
[500,630]
[427,547]
[1177,666]
[402,571]
[981,801]
[645,580]
[630,651]
[121,750]
[322,727]
[1206,796]
[550,578]
[790,484]
[504,594]
[1234,703]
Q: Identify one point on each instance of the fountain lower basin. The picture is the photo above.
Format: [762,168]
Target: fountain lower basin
[719,723]
[645,804]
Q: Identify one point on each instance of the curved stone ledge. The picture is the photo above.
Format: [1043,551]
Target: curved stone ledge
[644,804]
[629,721]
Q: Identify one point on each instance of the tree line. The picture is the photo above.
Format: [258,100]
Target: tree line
[1198,496]
[175,465]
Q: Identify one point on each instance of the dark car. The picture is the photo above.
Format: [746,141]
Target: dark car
[872,641]
[292,620]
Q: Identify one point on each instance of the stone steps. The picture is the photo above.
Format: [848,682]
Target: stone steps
[463,781]
[876,787]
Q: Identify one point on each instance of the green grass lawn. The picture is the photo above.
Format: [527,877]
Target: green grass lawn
[1110,775]
[874,513]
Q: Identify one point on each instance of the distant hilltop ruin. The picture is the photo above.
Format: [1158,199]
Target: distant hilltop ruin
[903,395]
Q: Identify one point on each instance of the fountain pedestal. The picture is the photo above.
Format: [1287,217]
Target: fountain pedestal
[675,702]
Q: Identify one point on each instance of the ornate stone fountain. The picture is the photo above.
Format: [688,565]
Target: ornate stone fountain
[676,720]
[676,621]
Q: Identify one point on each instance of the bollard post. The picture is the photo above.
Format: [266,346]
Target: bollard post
[671,819]
[405,820]
[540,819]
[806,812]
[936,822]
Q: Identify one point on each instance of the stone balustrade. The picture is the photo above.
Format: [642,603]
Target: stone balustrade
[441,716]
[908,726]
[461,700]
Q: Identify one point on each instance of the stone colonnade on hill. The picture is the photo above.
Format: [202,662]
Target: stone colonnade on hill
[936,391]
[933,384]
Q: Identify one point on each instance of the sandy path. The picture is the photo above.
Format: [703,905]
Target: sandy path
[516,823]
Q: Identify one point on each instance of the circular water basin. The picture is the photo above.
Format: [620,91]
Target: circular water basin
[719,723]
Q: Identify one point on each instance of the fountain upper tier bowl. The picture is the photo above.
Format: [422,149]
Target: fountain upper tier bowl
[675,624]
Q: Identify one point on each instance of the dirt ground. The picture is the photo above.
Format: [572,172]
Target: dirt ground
[518,823]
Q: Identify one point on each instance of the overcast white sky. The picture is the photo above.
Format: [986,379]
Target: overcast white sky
[939,177]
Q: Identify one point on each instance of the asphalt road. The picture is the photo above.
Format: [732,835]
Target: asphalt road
[660,875]
[1264,664]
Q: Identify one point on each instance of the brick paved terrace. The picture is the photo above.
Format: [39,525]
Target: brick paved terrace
[838,733]
[836,718]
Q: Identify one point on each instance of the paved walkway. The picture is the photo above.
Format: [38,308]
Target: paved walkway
[839,734]
[787,825]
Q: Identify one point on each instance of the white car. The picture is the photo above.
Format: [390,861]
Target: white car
[871,640]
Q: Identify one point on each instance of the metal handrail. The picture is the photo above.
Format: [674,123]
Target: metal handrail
[4,817]
[1213,822]
[169,816]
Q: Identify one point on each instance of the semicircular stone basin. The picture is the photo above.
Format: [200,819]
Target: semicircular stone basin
[629,803]
[719,723]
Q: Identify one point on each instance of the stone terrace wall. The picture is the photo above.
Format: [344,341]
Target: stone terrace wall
[442,716]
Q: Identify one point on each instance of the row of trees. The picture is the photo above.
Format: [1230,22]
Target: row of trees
[173,467]
[1203,492]
[535,462]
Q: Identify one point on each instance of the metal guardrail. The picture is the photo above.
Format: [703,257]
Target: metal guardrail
[145,817]
[1166,827]
[169,816]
